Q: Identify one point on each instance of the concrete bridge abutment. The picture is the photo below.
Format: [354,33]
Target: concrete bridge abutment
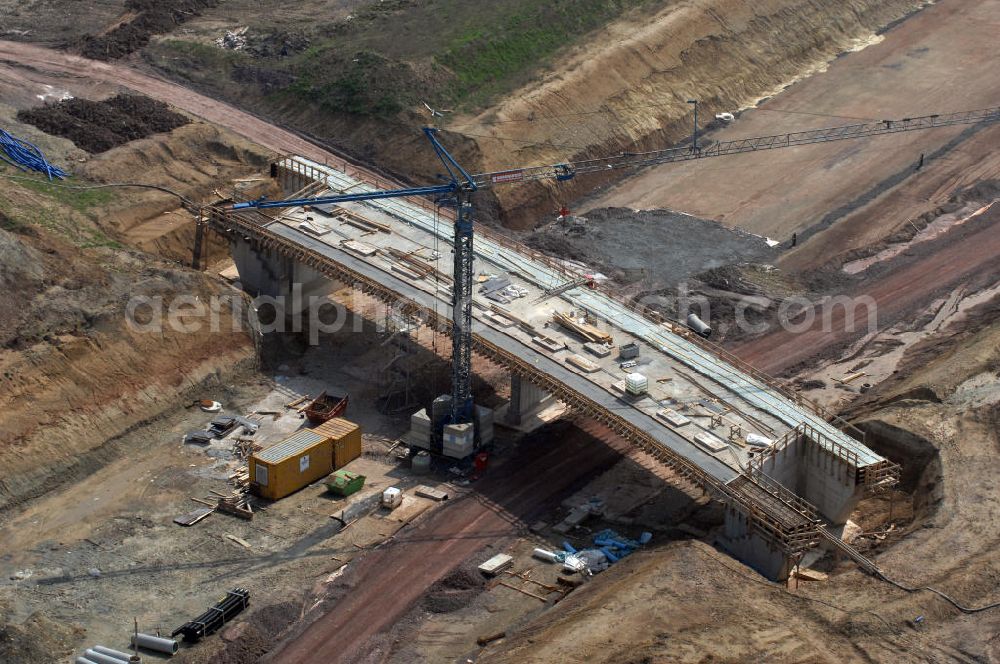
[826,480]
[268,274]
[747,545]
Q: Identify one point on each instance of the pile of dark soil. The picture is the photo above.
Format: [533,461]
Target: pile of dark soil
[249,639]
[146,18]
[276,43]
[100,126]
[454,592]
[653,249]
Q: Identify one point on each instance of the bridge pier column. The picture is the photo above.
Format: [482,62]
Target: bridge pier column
[525,400]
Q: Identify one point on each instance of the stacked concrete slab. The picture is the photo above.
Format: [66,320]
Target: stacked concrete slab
[457,440]
[420,430]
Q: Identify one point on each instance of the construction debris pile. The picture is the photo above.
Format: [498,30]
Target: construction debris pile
[263,43]
[609,547]
[500,289]
[233,40]
[237,501]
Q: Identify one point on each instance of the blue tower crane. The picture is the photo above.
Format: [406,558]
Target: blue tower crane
[457,192]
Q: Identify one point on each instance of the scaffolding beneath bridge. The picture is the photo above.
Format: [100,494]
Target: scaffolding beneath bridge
[769,510]
[773,512]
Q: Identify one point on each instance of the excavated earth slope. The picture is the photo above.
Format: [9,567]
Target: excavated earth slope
[73,375]
[626,88]
[621,87]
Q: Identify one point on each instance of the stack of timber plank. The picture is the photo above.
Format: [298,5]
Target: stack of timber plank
[585,330]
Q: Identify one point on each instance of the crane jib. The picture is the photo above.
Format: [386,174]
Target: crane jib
[634,160]
[460,185]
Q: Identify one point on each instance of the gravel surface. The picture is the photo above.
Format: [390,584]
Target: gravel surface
[653,249]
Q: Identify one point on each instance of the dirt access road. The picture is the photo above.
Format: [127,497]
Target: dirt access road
[390,579]
[973,254]
[937,61]
[17,61]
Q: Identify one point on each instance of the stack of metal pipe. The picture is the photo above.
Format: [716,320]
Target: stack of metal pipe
[102,655]
[225,610]
[25,156]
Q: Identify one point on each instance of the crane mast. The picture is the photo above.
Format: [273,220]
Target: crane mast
[461,334]
[458,191]
[455,193]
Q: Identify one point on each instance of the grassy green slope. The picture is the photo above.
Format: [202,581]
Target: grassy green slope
[394,54]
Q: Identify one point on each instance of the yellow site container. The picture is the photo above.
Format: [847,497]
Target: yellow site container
[346,437]
[295,462]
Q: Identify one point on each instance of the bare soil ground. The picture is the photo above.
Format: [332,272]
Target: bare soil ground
[49,22]
[638,494]
[396,576]
[119,519]
[652,250]
[933,62]
[898,290]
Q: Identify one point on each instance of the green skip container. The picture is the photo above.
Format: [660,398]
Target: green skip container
[345,482]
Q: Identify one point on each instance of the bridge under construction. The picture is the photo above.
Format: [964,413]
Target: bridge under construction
[541,319]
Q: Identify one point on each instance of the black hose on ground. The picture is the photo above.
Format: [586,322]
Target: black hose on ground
[963,609]
[187,201]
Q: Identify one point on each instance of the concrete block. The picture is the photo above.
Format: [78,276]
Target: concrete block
[596,349]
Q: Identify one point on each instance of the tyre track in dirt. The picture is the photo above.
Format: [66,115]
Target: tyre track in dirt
[902,291]
[391,579]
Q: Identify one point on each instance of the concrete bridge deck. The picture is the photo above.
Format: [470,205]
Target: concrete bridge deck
[400,251]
